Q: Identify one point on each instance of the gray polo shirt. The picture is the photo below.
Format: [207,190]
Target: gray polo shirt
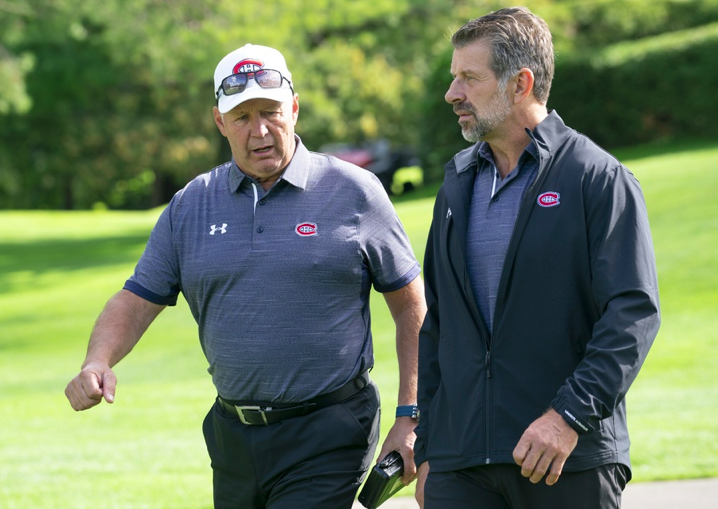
[279,282]
[494,207]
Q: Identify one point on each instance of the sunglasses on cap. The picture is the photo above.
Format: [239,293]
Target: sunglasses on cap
[265,78]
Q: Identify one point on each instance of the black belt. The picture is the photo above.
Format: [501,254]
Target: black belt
[265,414]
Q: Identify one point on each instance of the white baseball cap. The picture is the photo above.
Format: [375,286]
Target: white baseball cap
[251,58]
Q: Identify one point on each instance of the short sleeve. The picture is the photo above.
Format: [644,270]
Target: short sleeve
[388,252]
[156,276]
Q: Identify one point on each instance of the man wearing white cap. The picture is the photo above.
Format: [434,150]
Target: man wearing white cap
[276,252]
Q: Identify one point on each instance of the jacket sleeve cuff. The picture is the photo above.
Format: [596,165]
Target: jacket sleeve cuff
[579,425]
[420,443]
[419,453]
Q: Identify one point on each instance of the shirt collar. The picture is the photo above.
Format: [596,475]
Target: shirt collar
[296,173]
[485,153]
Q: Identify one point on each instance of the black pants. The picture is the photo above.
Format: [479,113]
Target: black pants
[503,487]
[315,461]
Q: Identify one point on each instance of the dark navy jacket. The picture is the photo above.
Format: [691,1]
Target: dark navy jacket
[576,312]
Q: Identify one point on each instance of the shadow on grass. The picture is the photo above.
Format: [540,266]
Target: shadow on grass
[41,257]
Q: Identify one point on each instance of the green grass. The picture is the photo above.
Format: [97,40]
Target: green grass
[146,451]
[673,403]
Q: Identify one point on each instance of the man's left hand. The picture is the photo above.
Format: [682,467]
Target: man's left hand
[401,438]
[547,443]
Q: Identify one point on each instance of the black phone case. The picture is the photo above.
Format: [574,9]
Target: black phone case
[384,481]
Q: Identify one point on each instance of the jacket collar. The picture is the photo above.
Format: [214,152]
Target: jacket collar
[549,135]
[467,158]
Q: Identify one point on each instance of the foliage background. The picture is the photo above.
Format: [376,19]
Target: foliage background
[107,103]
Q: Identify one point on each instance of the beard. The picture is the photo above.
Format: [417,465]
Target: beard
[493,115]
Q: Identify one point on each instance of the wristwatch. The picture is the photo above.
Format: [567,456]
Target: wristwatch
[408,411]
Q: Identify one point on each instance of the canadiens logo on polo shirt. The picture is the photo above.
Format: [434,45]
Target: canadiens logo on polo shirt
[549,199]
[306,229]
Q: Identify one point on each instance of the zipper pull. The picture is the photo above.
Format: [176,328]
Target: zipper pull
[487,363]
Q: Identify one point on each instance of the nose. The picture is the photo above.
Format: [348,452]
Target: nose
[454,94]
[258,128]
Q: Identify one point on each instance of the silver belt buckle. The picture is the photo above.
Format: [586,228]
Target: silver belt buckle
[261,410]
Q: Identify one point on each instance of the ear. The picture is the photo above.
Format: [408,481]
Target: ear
[219,120]
[524,84]
[295,108]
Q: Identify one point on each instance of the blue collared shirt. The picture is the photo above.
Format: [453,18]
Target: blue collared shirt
[279,282]
[494,207]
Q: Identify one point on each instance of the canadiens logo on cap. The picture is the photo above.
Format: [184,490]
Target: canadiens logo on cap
[306,229]
[248,65]
[549,199]
[251,59]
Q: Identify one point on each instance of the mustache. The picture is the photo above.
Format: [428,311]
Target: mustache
[465,107]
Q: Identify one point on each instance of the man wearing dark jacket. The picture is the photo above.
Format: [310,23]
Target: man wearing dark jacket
[541,290]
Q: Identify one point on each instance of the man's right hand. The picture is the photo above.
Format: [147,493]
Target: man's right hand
[422,473]
[95,381]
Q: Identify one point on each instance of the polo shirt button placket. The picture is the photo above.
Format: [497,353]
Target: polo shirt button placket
[260,229]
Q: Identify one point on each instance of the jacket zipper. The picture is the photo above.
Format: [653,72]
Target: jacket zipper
[487,360]
[487,365]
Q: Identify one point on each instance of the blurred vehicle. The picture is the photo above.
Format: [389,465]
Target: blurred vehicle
[378,157]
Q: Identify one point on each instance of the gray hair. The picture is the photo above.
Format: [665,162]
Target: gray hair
[518,39]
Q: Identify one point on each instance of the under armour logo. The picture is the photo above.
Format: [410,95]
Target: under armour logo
[222,229]
[448,213]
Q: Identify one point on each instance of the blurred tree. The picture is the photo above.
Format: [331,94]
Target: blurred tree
[110,101]
[599,23]
[114,95]
[13,67]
